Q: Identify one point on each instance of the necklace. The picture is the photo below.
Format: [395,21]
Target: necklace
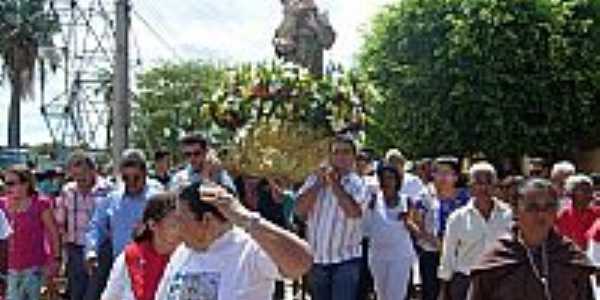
[543,275]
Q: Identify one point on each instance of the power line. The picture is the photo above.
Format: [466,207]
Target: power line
[156,34]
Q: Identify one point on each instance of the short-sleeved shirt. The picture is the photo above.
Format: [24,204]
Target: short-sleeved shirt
[574,224]
[234,267]
[436,211]
[74,209]
[334,237]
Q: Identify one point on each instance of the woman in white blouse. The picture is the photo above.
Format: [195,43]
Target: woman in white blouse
[391,254]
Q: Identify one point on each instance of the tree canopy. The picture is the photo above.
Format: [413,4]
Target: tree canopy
[503,78]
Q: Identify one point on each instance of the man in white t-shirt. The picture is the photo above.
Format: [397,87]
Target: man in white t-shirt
[228,252]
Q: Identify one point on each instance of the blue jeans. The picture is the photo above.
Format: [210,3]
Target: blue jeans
[25,284]
[335,281]
[80,285]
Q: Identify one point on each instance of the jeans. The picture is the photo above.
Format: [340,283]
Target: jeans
[80,285]
[428,266]
[335,281]
[25,284]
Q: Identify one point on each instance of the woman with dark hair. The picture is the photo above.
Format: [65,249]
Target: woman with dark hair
[32,222]
[137,271]
[391,253]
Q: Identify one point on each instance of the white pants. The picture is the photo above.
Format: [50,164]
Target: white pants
[391,277]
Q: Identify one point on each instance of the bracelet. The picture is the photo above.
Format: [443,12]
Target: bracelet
[251,222]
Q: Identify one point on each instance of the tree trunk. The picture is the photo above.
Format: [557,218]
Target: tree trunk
[14,117]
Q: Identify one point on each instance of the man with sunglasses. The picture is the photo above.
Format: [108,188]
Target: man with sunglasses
[533,261]
[202,164]
[117,217]
[578,216]
[470,231]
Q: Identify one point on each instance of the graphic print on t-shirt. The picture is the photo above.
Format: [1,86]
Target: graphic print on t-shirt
[194,286]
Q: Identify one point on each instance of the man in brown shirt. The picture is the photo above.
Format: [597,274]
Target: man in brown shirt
[533,262]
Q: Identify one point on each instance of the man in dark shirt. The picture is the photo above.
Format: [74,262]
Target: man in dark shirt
[534,262]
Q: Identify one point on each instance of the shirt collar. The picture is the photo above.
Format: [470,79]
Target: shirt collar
[495,210]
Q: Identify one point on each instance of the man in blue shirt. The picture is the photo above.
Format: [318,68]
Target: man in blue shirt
[117,217]
[202,164]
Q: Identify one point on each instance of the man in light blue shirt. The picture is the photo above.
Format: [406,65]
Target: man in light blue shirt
[117,217]
[202,164]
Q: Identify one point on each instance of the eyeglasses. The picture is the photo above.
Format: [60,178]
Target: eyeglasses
[549,206]
[189,154]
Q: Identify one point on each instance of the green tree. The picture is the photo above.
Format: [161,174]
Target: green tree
[169,101]
[505,78]
[25,26]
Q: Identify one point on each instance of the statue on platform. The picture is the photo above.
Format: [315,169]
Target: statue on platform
[303,35]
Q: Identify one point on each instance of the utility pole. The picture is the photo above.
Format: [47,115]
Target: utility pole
[120,105]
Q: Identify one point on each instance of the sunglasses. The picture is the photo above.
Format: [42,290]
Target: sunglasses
[132,178]
[585,191]
[11,183]
[189,154]
[549,206]
[482,183]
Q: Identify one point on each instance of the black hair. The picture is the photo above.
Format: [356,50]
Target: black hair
[344,139]
[387,168]
[595,178]
[133,159]
[191,195]
[158,207]
[194,139]
[160,154]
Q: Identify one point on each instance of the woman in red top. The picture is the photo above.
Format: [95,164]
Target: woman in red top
[32,223]
[137,271]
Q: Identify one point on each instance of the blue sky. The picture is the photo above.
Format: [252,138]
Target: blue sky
[225,30]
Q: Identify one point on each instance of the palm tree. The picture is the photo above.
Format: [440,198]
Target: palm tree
[25,25]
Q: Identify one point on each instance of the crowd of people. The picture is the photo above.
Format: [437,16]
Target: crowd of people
[359,227]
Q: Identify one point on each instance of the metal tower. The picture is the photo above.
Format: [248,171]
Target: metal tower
[78,113]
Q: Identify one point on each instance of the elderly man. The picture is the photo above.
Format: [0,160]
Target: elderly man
[470,231]
[533,262]
[228,252]
[202,164]
[559,174]
[578,216]
[74,209]
[121,213]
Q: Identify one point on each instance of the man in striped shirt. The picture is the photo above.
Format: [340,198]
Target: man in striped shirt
[332,201]
[74,209]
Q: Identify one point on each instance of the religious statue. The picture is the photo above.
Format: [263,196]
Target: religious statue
[303,35]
